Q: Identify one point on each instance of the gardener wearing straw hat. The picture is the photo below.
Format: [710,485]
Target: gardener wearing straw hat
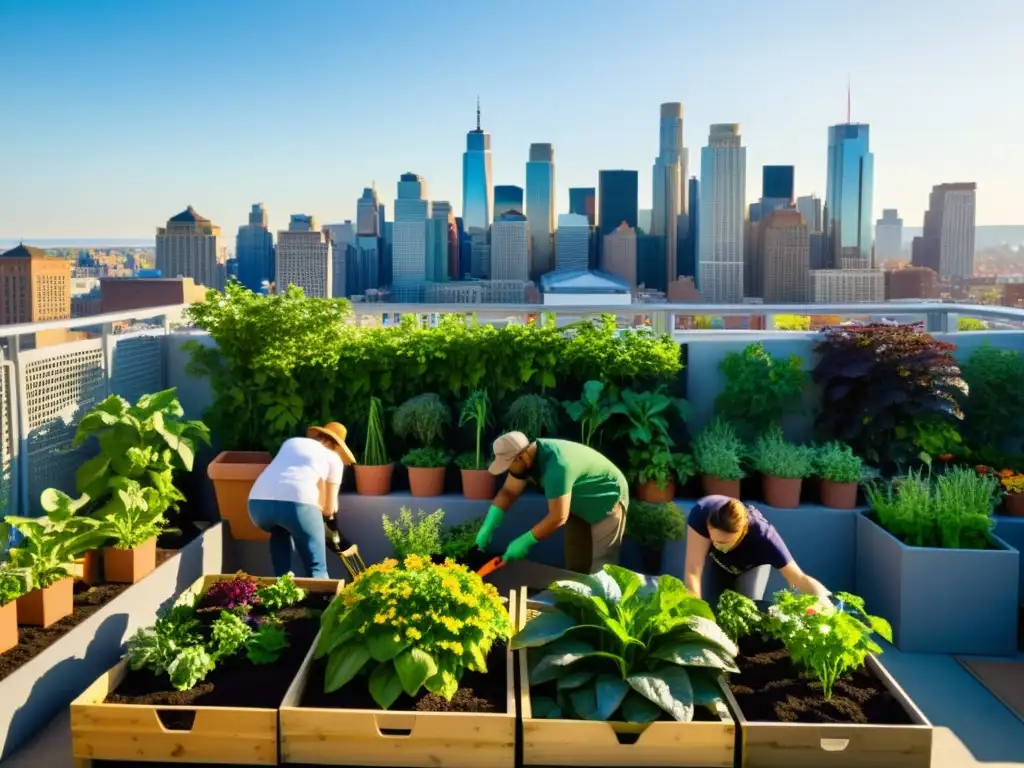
[296,497]
[586,493]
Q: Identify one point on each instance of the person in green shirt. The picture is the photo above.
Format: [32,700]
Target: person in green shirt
[586,493]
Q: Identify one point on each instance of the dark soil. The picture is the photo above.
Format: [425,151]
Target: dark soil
[770,688]
[477,692]
[236,682]
[34,640]
[170,543]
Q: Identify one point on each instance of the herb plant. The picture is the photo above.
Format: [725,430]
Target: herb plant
[280,593]
[837,463]
[459,540]
[411,626]
[533,415]
[827,644]
[738,615]
[422,420]
[414,535]
[759,389]
[476,411]
[592,410]
[774,456]
[427,457]
[718,451]
[376,454]
[614,648]
[653,525]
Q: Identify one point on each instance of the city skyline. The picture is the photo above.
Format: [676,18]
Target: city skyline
[100,120]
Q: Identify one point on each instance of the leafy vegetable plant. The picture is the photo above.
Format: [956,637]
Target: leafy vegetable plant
[418,534]
[614,648]
[652,525]
[592,410]
[411,626]
[240,591]
[13,584]
[280,593]
[267,643]
[738,615]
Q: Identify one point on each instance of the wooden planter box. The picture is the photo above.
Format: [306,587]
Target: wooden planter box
[134,733]
[832,745]
[374,737]
[552,741]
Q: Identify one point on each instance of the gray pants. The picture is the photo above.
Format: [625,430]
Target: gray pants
[716,580]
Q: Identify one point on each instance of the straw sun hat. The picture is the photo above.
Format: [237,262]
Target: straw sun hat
[336,433]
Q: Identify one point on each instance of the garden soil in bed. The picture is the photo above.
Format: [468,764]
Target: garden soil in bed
[233,683]
[34,640]
[477,692]
[770,688]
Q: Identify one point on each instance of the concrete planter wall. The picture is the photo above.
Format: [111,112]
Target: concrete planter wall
[1011,530]
[956,601]
[47,684]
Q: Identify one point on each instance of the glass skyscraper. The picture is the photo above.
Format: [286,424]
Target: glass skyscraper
[477,179]
[849,196]
[540,207]
[777,182]
[583,201]
[507,198]
[617,201]
[254,250]
[723,181]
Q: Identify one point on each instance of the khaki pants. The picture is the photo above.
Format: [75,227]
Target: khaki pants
[588,548]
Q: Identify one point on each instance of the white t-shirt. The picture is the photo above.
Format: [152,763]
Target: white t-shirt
[296,471]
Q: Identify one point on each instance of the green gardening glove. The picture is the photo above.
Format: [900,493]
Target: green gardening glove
[494,517]
[520,547]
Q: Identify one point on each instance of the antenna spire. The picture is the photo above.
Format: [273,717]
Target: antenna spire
[478,111]
[848,101]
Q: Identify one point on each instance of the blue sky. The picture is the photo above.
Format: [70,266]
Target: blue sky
[119,113]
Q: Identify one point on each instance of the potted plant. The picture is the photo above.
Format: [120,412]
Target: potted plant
[533,415]
[1012,484]
[373,475]
[592,410]
[422,420]
[783,467]
[13,584]
[477,481]
[132,518]
[718,453]
[646,426]
[655,471]
[840,470]
[652,526]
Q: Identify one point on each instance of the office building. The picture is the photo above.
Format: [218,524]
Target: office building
[343,252]
[123,294]
[439,241]
[849,196]
[617,200]
[363,269]
[847,286]
[689,249]
[36,286]
[888,236]
[644,218]
[369,214]
[510,247]
[583,201]
[620,254]
[723,178]
[947,243]
[911,283]
[304,258]
[785,257]
[810,208]
[254,251]
[540,207]
[480,246]
[409,248]
[650,263]
[507,198]
[572,242]
[669,184]
[477,178]
[777,183]
[443,211]
[189,246]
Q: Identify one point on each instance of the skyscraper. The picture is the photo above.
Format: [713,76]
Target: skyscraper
[443,211]
[540,207]
[304,258]
[254,250]
[583,200]
[510,247]
[723,179]
[438,256]
[477,178]
[947,244]
[785,257]
[37,287]
[669,184]
[188,247]
[620,254]
[409,246]
[888,236]
[343,252]
[507,198]
[688,262]
[777,182]
[849,196]
[617,200]
[810,208]
[368,214]
[572,240]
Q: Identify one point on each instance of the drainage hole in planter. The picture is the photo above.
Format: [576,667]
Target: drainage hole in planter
[177,719]
[395,731]
[627,738]
[834,745]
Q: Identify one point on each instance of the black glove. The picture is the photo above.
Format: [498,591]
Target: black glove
[331,535]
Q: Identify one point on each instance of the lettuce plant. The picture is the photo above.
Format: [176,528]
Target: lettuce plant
[240,591]
[738,615]
[617,649]
[280,593]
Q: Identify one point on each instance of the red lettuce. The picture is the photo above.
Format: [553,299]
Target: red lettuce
[228,595]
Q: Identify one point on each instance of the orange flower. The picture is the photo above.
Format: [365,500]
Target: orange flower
[1006,473]
[982,469]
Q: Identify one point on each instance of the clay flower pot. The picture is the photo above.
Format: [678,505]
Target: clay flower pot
[426,481]
[782,492]
[714,486]
[1013,504]
[650,492]
[838,495]
[233,474]
[129,566]
[44,607]
[8,626]
[477,484]
[88,568]
[374,480]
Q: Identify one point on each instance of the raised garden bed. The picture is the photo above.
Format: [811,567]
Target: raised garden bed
[786,722]
[476,729]
[230,717]
[707,741]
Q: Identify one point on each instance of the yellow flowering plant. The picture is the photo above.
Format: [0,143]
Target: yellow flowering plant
[411,625]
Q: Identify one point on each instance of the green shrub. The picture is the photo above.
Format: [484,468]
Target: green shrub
[652,525]
[994,410]
[718,451]
[837,463]
[759,389]
[418,534]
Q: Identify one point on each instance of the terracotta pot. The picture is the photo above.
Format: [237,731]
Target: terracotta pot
[374,480]
[1013,504]
[87,568]
[782,492]
[650,492]
[8,626]
[713,486]
[43,607]
[650,560]
[233,474]
[426,481]
[838,495]
[129,566]
[477,484]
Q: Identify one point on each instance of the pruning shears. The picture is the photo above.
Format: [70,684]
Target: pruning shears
[490,567]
